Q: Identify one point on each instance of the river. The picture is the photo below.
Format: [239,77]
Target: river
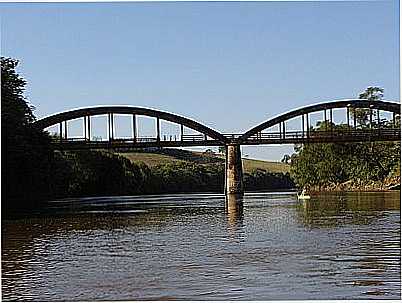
[192,247]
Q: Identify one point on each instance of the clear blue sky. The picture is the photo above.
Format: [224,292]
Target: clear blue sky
[227,65]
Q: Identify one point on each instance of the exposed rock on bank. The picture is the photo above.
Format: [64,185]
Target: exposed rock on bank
[391,183]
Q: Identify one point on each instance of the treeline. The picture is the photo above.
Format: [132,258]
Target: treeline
[95,173]
[90,173]
[260,179]
[349,166]
[32,172]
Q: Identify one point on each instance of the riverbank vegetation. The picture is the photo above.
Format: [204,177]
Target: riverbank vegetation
[88,173]
[349,166]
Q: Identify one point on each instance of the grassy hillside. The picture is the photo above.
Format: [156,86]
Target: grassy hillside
[167,156]
[150,159]
[275,167]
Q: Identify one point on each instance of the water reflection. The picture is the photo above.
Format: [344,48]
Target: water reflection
[234,213]
[334,209]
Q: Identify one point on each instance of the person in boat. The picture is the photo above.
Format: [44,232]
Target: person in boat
[304,194]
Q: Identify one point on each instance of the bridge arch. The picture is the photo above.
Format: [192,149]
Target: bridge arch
[128,110]
[389,106]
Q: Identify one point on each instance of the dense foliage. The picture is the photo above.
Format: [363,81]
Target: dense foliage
[90,173]
[26,153]
[188,177]
[260,179]
[324,165]
[93,173]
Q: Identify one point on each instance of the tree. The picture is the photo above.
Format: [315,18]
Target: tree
[221,149]
[326,164]
[371,93]
[26,151]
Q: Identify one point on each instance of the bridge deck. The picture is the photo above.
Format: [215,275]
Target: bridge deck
[290,137]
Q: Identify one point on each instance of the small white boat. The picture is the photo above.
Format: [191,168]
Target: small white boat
[303,195]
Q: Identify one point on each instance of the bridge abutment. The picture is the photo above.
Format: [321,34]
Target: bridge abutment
[233,170]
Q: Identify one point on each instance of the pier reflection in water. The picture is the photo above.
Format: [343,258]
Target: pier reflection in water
[265,246]
[234,209]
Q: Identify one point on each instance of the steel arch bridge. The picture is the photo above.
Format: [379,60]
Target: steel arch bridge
[206,136]
[376,130]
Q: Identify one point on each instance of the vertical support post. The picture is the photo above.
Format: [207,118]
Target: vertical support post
[85,127]
[354,118]
[284,130]
[112,124]
[234,170]
[65,130]
[330,114]
[280,130]
[134,129]
[158,130]
[302,126]
[347,116]
[89,128]
[61,131]
[205,137]
[181,132]
[108,125]
[307,126]
[325,119]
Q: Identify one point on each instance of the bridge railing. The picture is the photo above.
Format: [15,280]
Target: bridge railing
[163,138]
[232,136]
[357,133]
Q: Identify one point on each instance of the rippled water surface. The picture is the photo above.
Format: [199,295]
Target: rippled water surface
[192,247]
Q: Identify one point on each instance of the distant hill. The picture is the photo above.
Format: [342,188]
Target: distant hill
[167,155]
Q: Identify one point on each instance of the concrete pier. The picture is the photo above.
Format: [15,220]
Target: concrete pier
[234,170]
